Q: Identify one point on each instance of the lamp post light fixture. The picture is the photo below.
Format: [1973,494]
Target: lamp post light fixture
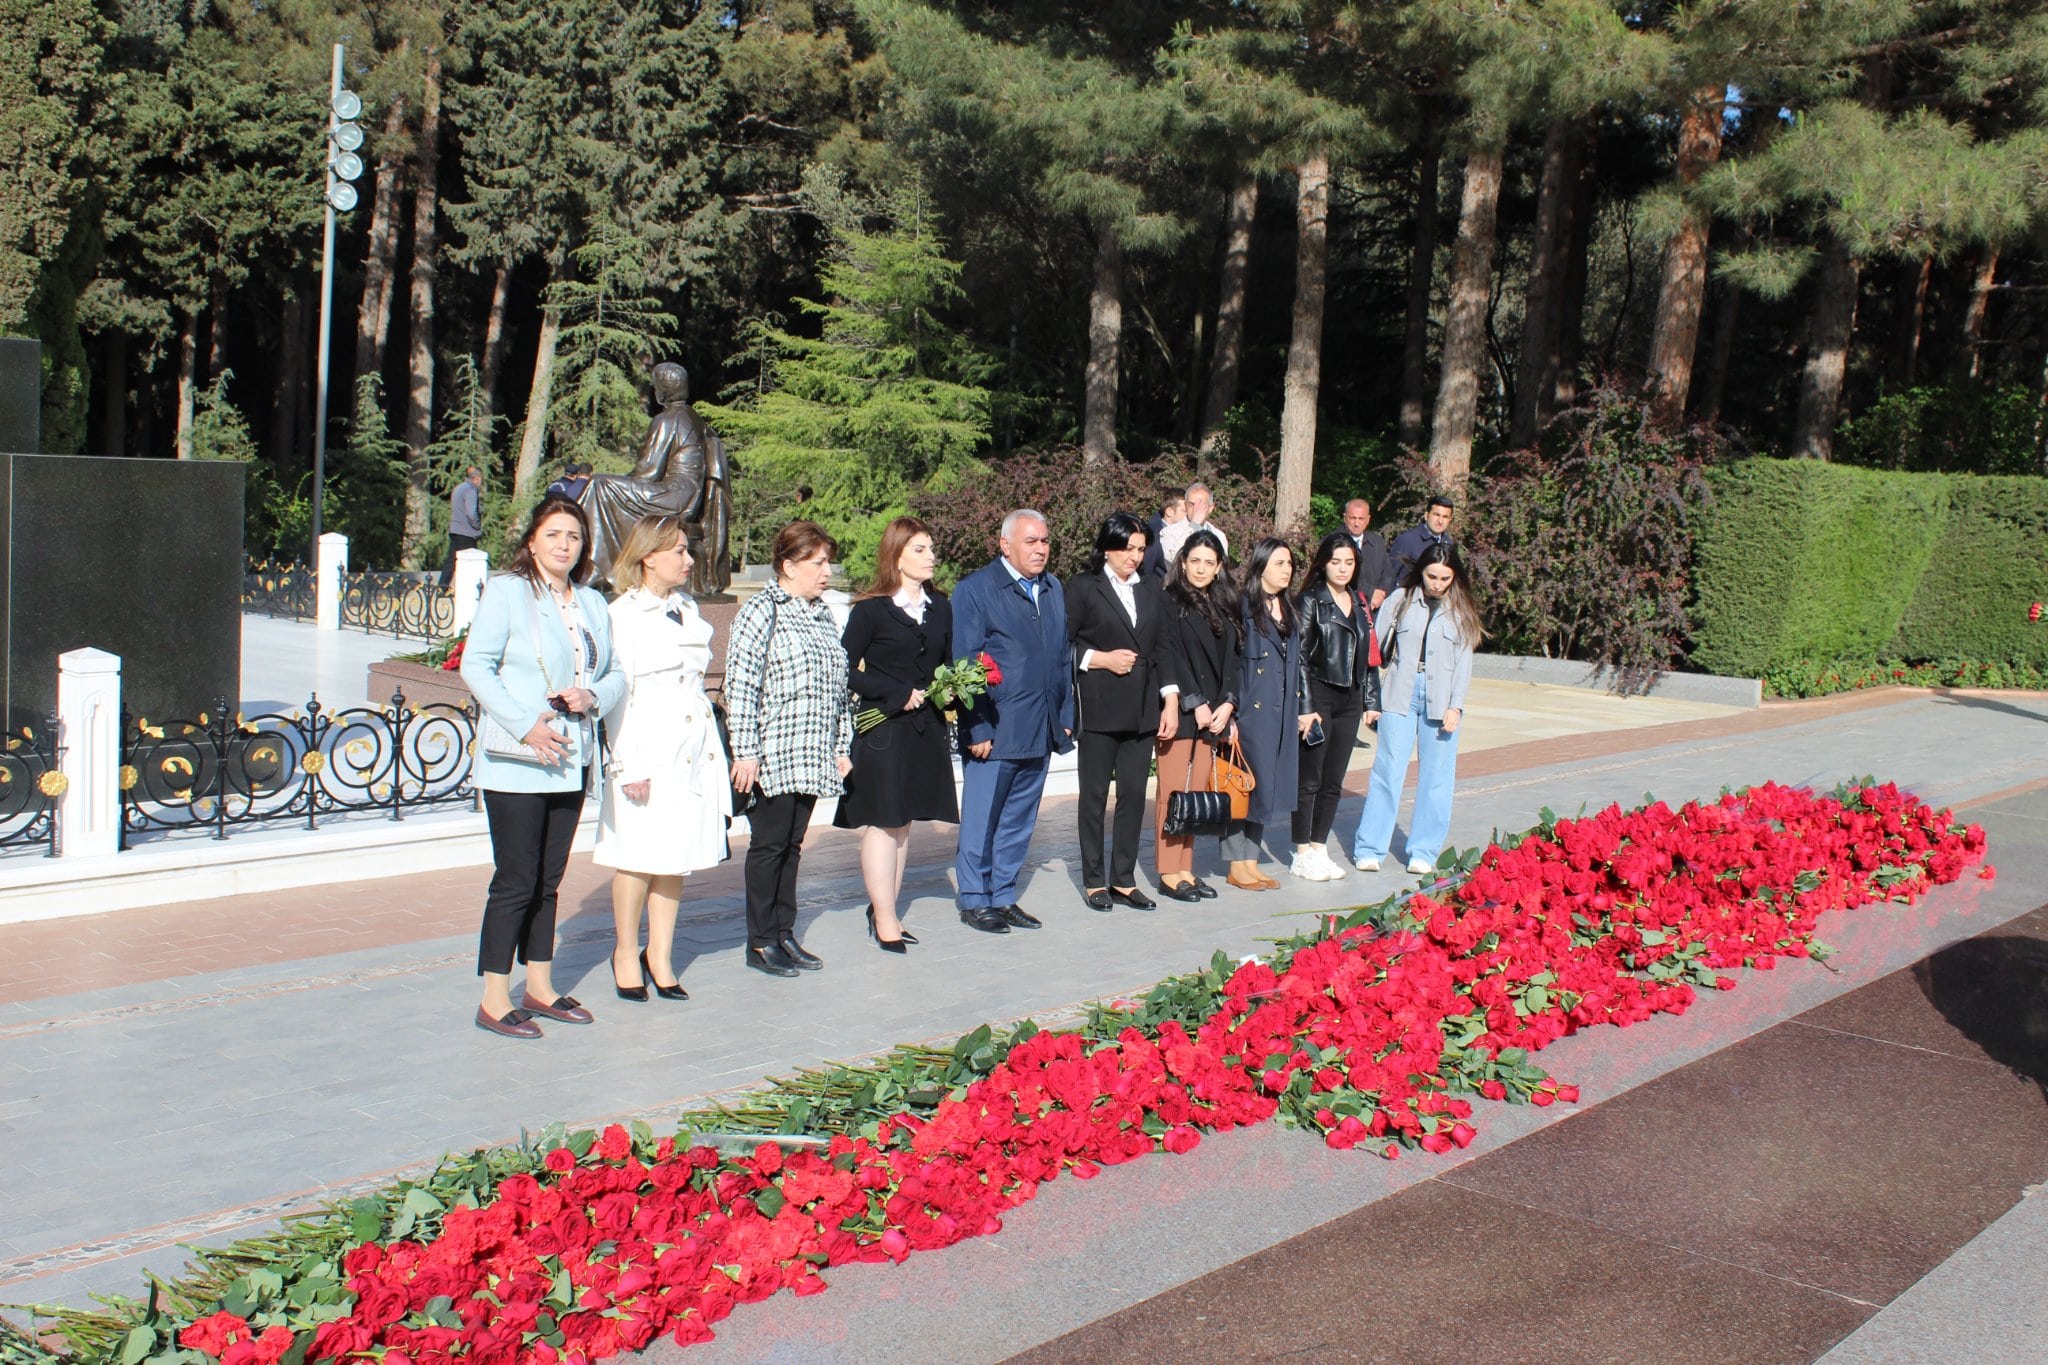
[344,137]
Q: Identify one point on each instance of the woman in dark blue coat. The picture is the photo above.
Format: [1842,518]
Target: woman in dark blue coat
[1273,710]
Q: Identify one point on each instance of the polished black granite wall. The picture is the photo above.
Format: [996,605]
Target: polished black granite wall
[141,558]
[21,395]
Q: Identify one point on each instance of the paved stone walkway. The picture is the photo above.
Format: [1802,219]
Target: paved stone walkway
[191,1072]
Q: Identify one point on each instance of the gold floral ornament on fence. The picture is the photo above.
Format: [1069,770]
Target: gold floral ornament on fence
[53,785]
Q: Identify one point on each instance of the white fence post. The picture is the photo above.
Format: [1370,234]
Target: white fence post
[472,567]
[89,728]
[329,564]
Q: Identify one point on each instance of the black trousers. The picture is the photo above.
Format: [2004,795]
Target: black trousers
[1322,768]
[1125,756]
[456,545]
[530,837]
[774,851]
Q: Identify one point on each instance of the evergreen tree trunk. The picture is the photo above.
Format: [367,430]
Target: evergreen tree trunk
[1827,355]
[1727,307]
[1305,347]
[533,440]
[1536,368]
[113,393]
[290,387]
[494,336]
[217,332]
[1571,320]
[188,365]
[1184,432]
[1980,306]
[1228,361]
[1913,281]
[1464,356]
[419,405]
[380,256]
[1105,349]
[1684,291]
[1421,275]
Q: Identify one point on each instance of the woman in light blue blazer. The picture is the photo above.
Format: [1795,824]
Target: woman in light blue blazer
[1428,630]
[539,662]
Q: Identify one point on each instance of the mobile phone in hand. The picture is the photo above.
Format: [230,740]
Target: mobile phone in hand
[1314,735]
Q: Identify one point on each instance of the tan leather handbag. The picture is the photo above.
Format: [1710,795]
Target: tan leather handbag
[1232,776]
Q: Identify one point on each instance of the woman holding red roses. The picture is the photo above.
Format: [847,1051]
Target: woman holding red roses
[899,633]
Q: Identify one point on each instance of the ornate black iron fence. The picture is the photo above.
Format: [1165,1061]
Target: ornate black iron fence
[30,787]
[397,604]
[407,605]
[274,589]
[220,772]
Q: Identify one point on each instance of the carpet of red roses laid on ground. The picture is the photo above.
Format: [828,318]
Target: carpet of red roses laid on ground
[1378,1031]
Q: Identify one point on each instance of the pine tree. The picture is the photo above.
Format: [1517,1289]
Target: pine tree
[611,328]
[886,397]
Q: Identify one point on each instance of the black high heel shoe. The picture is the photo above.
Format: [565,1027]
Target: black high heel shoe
[887,945]
[675,992]
[637,994]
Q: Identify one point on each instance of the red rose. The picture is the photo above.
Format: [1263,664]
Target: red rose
[2034,612]
[1493,1090]
[560,1161]
[1181,1140]
[1568,1093]
[214,1333]
[995,674]
[1541,1098]
[615,1144]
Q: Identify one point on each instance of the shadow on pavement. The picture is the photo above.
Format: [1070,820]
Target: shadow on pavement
[1994,990]
[1947,698]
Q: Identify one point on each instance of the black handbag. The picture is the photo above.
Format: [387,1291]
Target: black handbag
[1192,812]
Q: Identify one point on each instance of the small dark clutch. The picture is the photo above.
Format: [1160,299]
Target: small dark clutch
[742,802]
[1194,812]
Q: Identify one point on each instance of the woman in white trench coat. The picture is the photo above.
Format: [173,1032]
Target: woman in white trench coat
[667,789]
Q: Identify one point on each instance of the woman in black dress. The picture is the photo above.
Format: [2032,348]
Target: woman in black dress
[898,634]
[1200,640]
[1114,616]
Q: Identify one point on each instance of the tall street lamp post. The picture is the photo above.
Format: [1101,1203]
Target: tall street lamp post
[344,136]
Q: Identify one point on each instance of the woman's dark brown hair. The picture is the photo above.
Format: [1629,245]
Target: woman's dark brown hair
[888,577]
[554,504]
[799,541]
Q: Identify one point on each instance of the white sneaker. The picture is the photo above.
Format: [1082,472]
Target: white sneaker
[1304,865]
[1421,868]
[1331,871]
[1366,864]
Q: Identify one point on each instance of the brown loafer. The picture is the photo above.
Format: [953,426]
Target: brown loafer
[566,1009]
[511,1024]
[1245,878]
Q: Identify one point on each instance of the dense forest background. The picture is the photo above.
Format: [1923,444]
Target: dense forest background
[893,240]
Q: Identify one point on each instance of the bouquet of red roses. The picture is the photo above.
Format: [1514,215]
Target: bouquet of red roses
[959,682]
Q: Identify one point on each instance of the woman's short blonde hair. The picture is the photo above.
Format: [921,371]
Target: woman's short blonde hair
[649,536]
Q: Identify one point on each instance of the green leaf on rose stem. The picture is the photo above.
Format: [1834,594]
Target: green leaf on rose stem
[1512,1056]
[295,1354]
[1543,978]
[1026,1031]
[560,1290]
[238,1300]
[970,1043]
[770,1201]
[266,1284]
[643,1134]
[137,1345]
[581,1141]
[420,1202]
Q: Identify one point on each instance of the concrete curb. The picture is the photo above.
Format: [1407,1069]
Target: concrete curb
[1699,687]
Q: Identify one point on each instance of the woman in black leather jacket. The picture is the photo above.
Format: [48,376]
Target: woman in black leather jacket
[1344,684]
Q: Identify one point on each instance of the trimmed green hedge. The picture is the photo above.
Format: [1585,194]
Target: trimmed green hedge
[1993,560]
[1799,560]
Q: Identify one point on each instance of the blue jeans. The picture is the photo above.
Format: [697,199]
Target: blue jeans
[1400,734]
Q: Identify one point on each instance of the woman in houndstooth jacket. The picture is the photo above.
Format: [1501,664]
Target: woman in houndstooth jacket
[792,732]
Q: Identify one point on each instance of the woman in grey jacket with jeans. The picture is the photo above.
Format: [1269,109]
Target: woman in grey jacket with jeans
[1428,630]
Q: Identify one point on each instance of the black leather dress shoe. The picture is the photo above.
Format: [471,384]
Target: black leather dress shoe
[1204,890]
[1020,918]
[771,960]
[1184,891]
[1134,898]
[800,955]
[987,918]
[1097,900]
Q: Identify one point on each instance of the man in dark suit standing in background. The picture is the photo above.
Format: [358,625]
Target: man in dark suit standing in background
[1014,611]
[1409,545]
[1373,561]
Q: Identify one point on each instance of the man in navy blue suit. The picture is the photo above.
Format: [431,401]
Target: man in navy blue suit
[1015,612]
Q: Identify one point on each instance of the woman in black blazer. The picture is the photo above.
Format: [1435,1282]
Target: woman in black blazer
[898,634]
[1200,647]
[1113,619]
